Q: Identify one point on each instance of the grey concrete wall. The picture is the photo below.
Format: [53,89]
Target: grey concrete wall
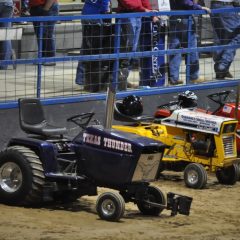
[58,114]
[68,37]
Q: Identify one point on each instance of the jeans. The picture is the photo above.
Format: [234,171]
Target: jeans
[48,39]
[131,28]
[224,26]
[178,38]
[130,34]
[6,11]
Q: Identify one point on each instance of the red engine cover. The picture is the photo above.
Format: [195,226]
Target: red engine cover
[228,110]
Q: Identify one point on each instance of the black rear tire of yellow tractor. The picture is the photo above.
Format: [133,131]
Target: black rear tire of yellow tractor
[195,176]
[229,175]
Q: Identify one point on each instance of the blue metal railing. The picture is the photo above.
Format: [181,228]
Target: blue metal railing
[116,56]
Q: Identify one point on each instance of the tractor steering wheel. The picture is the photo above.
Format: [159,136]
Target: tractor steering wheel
[82,120]
[220,97]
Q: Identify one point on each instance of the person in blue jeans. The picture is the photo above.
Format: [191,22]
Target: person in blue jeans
[130,34]
[180,37]
[6,11]
[94,75]
[224,26]
[45,8]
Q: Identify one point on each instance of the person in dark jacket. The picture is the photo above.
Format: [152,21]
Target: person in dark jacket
[94,75]
[178,38]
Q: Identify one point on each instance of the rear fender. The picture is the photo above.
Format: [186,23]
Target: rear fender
[43,149]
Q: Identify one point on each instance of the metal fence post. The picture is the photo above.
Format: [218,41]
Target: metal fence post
[116,51]
[190,19]
[39,65]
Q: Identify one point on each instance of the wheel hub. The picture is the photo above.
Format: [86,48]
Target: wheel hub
[10,177]
[108,207]
[192,177]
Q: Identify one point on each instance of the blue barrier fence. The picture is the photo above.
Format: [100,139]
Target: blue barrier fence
[15,82]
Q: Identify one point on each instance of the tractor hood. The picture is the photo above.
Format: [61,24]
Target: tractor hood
[195,120]
[115,140]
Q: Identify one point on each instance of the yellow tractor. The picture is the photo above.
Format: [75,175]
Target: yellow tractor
[197,142]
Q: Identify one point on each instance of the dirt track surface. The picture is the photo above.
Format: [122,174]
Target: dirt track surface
[214,215]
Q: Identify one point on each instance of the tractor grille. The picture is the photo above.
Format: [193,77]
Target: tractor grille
[228,144]
[147,167]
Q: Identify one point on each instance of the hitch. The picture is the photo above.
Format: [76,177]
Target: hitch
[178,204]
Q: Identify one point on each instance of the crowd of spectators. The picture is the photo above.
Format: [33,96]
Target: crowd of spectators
[225,26]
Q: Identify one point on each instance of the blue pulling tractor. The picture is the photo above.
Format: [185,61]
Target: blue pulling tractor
[46,165]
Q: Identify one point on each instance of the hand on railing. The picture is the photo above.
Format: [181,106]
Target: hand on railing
[208,10]
[154,18]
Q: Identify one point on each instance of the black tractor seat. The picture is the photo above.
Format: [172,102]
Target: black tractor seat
[32,119]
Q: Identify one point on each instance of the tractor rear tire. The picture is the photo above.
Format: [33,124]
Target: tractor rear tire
[238,171]
[229,175]
[21,176]
[195,176]
[110,206]
[154,195]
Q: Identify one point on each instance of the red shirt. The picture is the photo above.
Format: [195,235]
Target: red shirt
[34,3]
[133,5]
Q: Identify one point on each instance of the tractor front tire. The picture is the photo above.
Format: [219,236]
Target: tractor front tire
[21,176]
[110,206]
[154,195]
[229,175]
[195,176]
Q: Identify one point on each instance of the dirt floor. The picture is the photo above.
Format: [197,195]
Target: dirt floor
[214,215]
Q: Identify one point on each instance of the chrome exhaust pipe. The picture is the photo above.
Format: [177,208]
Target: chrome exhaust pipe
[111,92]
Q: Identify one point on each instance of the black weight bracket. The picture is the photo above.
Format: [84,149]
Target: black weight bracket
[178,204]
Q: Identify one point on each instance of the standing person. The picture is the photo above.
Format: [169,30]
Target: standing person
[45,8]
[130,32]
[224,25]
[96,39]
[178,38]
[6,11]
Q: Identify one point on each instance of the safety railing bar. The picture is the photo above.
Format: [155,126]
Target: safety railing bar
[113,56]
[140,92]
[115,15]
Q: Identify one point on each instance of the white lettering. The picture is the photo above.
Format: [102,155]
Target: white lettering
[118,145]
[92,139]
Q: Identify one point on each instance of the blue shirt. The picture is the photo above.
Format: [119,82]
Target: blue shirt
[96,6]
[184,5]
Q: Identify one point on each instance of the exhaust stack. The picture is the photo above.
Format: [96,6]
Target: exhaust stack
[109,107]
